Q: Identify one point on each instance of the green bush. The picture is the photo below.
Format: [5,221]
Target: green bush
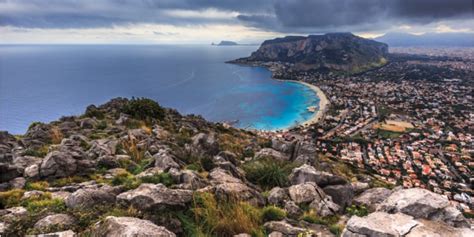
[357,210]
[272,213]
[268,173]
[163,178]
[336,229]
[144,109]
[127,180]
[10,198]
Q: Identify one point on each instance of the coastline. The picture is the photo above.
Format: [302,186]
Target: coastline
[323,103]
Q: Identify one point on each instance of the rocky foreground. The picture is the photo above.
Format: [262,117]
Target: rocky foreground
[132,168]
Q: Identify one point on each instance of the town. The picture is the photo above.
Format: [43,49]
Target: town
[410,122]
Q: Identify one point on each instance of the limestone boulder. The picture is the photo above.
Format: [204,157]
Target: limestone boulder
[130,227]
[148,196]
[372,198]
[380,224]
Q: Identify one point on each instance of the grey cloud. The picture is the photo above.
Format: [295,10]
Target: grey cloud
[305,16]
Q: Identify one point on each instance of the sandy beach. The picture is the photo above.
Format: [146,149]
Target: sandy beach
[323,102]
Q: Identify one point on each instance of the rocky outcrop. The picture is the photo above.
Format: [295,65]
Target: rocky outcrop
[148,196]
[421,203]
[380,224]
[283,227]
[333,51]
[307,173]
[56,220]
[86,198]
[372,198]
[130,227]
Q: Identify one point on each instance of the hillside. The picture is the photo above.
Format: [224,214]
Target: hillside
[133,168]
[334,51]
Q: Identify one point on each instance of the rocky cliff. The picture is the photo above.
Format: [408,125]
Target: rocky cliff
[333,51]
[133,168]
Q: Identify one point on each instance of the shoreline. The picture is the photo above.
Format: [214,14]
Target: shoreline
[323,103]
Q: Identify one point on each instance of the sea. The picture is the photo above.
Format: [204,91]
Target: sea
[44,82]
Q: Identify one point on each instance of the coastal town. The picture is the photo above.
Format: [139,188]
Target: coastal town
[410,122]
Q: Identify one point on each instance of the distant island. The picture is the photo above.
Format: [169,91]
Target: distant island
[343,52]
[226,43]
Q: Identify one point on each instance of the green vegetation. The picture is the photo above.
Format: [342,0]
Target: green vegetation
[38,185]
[357,210]
[94,112]
[129,181]
[37,152]
[144,109]
[210,217]
[34,124]
[311,217]
[336,229]
[11,198]
[268,173]
[388,134]
[273,213]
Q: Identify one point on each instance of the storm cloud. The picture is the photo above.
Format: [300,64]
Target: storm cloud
[271,15]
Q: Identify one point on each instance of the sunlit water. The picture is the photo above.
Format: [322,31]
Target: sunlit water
[43,83]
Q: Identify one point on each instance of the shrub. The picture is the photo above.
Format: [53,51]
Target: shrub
[144,109]
[94,112]
[272,213]
[127,180]
[56,135]
[336,229]
[357,210]
[68,181]
[54,205]
[38,185]
[311,217]
[38,152]
[163,178]
[224,218]
[10,198]
[268,173]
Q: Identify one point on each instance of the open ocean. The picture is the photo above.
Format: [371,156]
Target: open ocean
[45,82]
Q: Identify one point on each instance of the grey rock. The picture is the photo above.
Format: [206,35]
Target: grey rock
[380,224]
[293,210]
[84,198]
[438,229]
[130,227]
[372,198]
[206,143]
[23,162]
[421,203]
[307,173]
[9,172]
[278,196]
[18,183]
[342,195]
[306,193]
[11,214]
[271,154]
[220,176]
[283,227]
[67,233]
[148,196]
[239,191]
[32,171]
[88,123]
[64,221]
[165,160]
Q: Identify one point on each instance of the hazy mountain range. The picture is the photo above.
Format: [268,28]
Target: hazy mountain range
[428,39]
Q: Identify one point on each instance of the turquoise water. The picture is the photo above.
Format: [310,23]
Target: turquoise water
[43,83]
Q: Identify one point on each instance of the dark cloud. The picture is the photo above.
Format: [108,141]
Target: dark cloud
[275,15]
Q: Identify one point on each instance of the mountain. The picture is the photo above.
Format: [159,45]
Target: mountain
[226,43]
[395,39]
[334,51]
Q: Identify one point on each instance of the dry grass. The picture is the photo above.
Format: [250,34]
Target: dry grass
[130,146]
[229,218]
[394,126]
[56,135]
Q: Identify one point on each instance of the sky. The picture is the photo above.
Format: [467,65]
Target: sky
[206,21]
